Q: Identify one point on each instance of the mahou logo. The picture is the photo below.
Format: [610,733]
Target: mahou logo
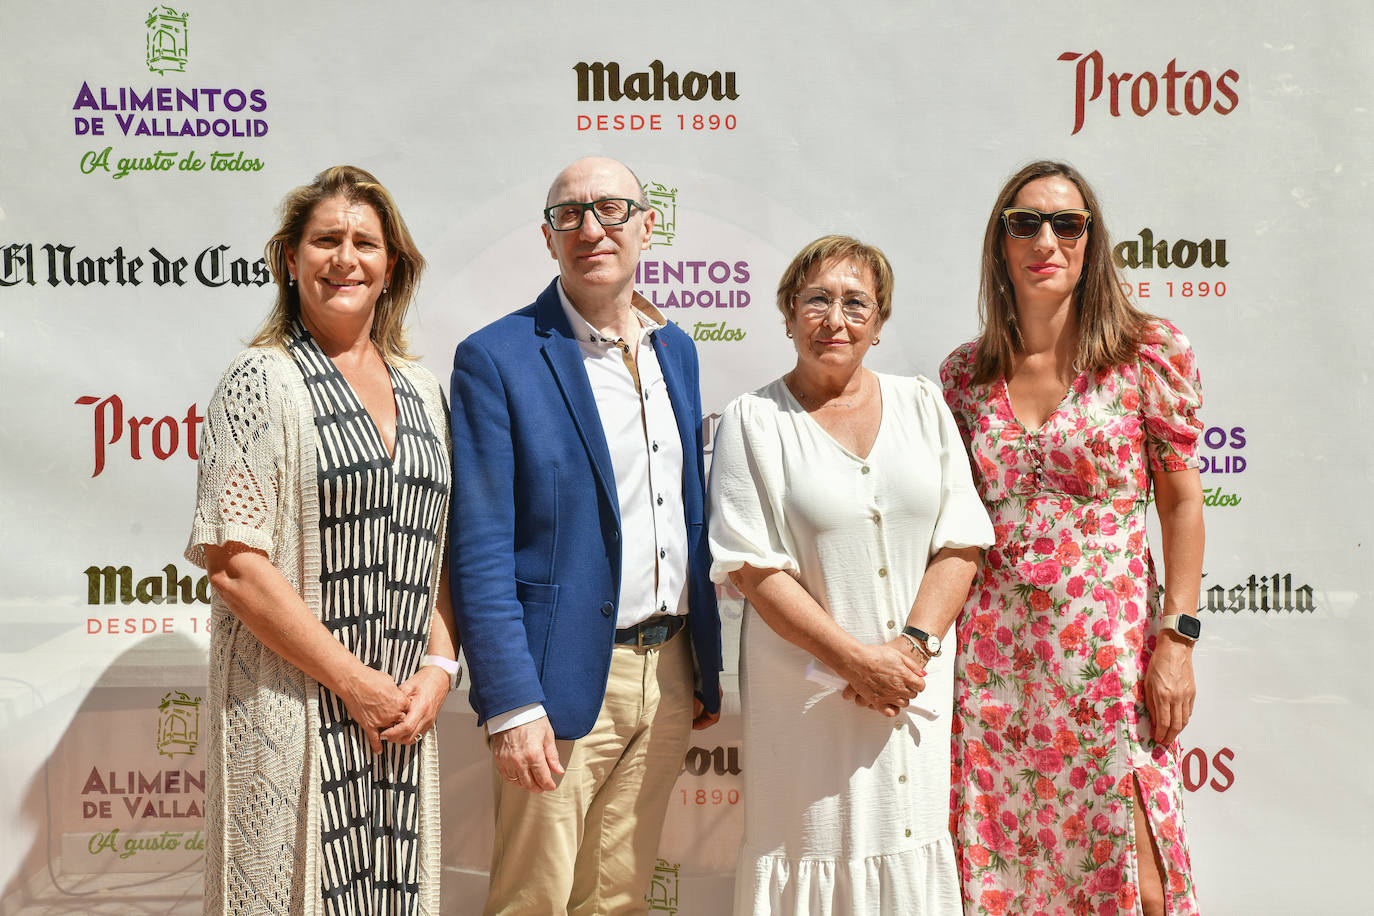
[599,82]
[1183,92]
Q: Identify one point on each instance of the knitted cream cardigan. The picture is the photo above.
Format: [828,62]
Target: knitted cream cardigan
[257,486]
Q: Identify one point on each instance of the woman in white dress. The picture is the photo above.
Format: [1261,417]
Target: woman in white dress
[843,508]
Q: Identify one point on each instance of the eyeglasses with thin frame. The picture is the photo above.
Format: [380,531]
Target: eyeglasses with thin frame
[855,308]
[1024,222]
[609,211]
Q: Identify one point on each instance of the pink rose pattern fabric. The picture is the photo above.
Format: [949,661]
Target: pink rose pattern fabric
[1051,723]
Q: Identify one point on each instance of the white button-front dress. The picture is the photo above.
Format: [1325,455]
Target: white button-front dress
[846,811]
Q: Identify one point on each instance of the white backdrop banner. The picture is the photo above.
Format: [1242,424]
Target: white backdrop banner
[144,150]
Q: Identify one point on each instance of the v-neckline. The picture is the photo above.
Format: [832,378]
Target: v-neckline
[877,437]
[1058,408]
[392,377]
[371,421]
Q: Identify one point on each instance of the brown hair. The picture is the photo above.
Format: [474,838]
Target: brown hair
[836,247]
[355,186]
[1109,327]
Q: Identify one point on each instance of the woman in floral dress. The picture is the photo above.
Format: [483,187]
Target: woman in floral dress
[1074,675]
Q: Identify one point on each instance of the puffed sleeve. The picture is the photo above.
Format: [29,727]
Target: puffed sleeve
[963,520]
[241,452]
[1171,394]
[746,484]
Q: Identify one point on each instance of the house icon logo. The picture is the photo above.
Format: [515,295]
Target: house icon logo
[167,40]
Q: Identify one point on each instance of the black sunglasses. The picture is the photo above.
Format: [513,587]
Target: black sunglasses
[1024,222]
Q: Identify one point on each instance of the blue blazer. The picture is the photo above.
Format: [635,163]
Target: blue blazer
[535,525]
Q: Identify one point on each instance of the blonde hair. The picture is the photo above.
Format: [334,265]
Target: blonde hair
[1109,326]
[354,185]
[842,248]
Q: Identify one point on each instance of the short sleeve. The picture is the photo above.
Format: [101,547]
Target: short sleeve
[241,452]
[963,519]
[1170,395]
[745,489]
[956,380]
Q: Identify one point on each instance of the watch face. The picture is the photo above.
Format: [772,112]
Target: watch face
[933,644]
[1189,626]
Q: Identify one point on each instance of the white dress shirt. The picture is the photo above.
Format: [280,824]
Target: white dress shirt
[646,456]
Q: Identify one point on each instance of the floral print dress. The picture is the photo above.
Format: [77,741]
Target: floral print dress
[1051,723]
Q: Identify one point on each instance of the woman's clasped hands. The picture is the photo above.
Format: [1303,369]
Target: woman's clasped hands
[884,678]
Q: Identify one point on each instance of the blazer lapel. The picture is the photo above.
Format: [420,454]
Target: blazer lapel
[680,398]
[564,357]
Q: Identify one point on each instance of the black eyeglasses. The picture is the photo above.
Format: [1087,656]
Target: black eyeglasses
[610,211]
[1024,223]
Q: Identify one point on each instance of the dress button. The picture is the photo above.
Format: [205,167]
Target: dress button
[892,624]
[902,778]
[882,572]
[908,831]
[607,608]
[864,470]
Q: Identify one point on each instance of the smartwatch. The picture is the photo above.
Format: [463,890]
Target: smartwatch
[449,665]
[929,642]
[1185,625]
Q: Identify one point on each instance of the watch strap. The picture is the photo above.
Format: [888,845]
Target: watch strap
[923,639]
[1185,625]
[448,665]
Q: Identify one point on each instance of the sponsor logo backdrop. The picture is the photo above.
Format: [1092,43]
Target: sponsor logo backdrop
[146,147]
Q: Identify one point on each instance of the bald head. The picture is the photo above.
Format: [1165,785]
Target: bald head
[594,178]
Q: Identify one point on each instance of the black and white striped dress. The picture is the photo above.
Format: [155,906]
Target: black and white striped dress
[380,520]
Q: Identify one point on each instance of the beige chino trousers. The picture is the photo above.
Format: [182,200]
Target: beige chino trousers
[590,845]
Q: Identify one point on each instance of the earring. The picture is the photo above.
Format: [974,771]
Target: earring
[292,281]
[385,287]
[876,341]
[789,335]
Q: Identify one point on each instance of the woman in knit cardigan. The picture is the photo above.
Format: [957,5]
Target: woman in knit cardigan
[322,499]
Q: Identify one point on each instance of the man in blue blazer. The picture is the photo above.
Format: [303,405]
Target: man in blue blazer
[579,559]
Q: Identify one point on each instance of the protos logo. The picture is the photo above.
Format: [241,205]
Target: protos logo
[1196,91]
[164,435]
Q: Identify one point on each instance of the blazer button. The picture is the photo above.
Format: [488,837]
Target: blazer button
[607,608]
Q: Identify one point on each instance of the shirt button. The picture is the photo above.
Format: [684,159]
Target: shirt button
[655,446]
[892,624]
[607,608]
[902,778]
[897,727]
[908,831]
[882,572]
[662,553]
[663,608]
[864,470]
[660,500]
[877,518]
